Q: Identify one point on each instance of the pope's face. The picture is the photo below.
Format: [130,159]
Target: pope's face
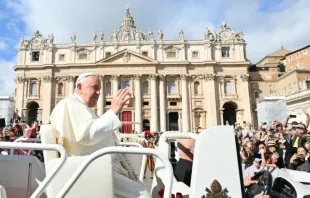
[89,90]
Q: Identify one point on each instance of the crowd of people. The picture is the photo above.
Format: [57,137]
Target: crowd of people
[19,129]
[273,147]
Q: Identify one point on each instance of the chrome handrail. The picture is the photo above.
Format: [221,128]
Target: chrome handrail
[34,146]
[168,187]
[181,136]
[144,158]
[23,139]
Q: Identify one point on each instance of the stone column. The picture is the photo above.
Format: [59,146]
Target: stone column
[154,113]
[71,87]
[20,96]
[222,114]
[100,103]
[211,99]
[246,103]
[115,84]
[138,103]
[162,104]
[25,113]
[185,103]
[203,120]
[40,115]
[47,100]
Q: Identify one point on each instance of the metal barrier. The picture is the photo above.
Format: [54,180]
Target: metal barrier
[22,139]
[34,146]
[181,136]
[63,192]
[144,158]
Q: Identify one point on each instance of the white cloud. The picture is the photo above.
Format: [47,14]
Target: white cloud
[7,77]
[264,32]
[13,27]
[3,45]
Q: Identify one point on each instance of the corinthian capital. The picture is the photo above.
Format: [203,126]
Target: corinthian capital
[71,78]
[184,76]
[162,77]
[47,78]
[137,76]
[153,76]
[114,77]
[210,77]
[21,79]
[244,77]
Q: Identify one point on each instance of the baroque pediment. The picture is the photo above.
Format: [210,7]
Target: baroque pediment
[127,57]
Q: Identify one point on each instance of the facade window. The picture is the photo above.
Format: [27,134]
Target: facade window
[61,57]
[145,88]
[308,84]
[145,103]
[305,52]
[196,87]
[82,56]
[197,119]
[228,87]
[108,88]
[297,56]
[60,88]
[172,88]
[225,52]
[171,54]
[290,59]
[144,53]
[270,86]
[108,54]
[195,54]
[126,85]
[107,103]
[35,56]
[173,103]
[33,89]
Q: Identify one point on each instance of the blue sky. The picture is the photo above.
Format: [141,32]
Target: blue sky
[266,24]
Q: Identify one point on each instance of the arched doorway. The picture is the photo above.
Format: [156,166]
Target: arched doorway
[229,114]
[32,112]
[146,125]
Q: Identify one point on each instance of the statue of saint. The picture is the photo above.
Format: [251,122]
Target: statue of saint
[21,42]
[137,35]
[181,35]
[114,35]
[160,35]
[101,36]
[150,35]
[51,38]
[73,38]
[94,36]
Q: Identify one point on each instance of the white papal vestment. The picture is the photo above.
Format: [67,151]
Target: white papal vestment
[81,131]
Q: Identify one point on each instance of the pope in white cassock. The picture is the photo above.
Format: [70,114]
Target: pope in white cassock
[81,131]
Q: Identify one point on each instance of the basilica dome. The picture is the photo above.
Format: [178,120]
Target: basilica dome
[128,30]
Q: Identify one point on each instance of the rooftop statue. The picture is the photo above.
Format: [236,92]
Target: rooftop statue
[94,36]
[73,38]
[160,35]
[101,36]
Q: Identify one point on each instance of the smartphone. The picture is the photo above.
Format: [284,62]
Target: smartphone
[264,123]
[293,116]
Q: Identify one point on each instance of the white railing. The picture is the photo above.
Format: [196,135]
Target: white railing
[34,146]
[181,136]
[144,158]
[146,151]
[22,139]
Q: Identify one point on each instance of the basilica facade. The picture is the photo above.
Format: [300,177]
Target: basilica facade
[176,84]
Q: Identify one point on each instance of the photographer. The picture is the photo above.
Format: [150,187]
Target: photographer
[300,160]
[247,154]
